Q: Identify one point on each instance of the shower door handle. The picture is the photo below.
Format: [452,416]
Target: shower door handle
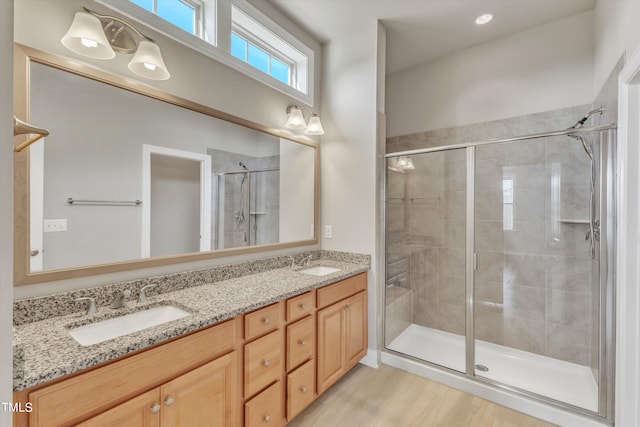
[475,261]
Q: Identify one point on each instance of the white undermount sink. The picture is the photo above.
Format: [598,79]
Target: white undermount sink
[97,332]
[319,270]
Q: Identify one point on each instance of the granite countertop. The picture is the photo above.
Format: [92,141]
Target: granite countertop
[49,352]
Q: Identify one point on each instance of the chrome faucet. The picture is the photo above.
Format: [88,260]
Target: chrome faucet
[303,261]
[91,310]
[120,299]
[142,297]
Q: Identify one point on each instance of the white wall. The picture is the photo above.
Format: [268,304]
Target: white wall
[6,206]
[194,76]
[617,30]
[545,68]
[348,155]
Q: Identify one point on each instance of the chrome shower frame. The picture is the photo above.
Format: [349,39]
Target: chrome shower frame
[606,213]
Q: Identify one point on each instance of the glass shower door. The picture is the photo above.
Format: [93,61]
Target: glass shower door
[536,311]
[425,252]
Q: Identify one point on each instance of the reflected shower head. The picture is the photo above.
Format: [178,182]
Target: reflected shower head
[243,166]
[580,123]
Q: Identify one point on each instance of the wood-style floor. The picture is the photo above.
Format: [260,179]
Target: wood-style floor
[386,396]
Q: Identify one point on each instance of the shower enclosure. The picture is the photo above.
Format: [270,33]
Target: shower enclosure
[499,263]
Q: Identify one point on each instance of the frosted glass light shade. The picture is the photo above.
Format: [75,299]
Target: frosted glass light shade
[148,62]
[296,119]
[315,126]
[86,37]
[405,163]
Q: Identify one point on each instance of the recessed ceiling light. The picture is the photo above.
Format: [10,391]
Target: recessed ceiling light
[484,19]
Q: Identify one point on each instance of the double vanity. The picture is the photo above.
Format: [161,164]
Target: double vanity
[250,344]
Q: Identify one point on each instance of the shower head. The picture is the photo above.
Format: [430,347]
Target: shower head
[584,118]
[243,166]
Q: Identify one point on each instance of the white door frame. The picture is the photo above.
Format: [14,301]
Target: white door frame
[627,412]
[205,193]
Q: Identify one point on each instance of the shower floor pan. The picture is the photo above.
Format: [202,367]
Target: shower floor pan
[552,378]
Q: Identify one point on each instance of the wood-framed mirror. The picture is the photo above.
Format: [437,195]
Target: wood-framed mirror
[132,177]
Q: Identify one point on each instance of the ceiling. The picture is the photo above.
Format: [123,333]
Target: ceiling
[419,31]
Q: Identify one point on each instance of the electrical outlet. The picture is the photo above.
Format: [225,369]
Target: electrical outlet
[328,231]
[54,225]
[312,232]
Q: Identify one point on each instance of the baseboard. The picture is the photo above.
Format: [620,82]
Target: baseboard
[371,359]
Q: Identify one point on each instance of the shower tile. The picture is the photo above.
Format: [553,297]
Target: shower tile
[569,274]
[424,286]
[568,344]
[525,237]
[396,185]
[574,203]
[489,296]
[455,177]
[489,327]
[493,151]
[568,309]
[458,157]
[526,153]
[489,174]
[529,204]
[452,318]
[423,220]
[490,266]
[397,267]
[523,334]
[424,259]
[525,176]
[574,168]
[489,205]
[489,236]
[524,302]
[395,215]
[453,205]
[524,270]
[451,262]
[451,290]
[452,233]
[570,241]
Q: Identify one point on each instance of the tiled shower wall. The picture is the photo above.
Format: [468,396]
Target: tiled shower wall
[533,282]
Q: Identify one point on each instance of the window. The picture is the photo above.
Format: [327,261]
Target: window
[248,52]
[185,14]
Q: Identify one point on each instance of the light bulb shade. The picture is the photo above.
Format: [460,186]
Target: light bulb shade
[296,119]
[86,37]
[405,163]
[148,63]
[315,126]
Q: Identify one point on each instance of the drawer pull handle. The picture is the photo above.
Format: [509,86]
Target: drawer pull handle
[347,307]
[265,363]
[303,389]
[267,418]
[266,320]
[169,401]
[303,306]
[155,408]
[302,342]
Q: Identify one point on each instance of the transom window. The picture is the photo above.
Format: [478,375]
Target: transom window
[260,58]
[185,14]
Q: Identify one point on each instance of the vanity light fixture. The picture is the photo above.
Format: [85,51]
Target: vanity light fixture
[296,120]
[101,36]
[400,164]
[484,19]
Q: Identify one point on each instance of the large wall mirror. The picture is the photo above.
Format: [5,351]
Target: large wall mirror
[130,177]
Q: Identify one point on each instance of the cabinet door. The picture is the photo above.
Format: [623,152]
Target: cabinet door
[331,362]
[204,397]
[141,411]
[355,328]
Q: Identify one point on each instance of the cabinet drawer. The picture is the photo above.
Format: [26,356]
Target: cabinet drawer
[341,290]
[300,340]
[300,306]
[262,362]
[262,321]
[71,400]
[266,408]
[300,386]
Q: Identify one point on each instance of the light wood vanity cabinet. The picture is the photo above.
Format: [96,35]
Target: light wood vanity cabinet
[258,369]
[342,329]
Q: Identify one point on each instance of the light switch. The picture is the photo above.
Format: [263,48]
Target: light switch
[53,225]
[328,232]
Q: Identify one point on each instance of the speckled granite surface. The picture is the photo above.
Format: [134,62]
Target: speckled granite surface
[49,352]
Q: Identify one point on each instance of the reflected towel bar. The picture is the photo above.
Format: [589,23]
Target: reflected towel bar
[23,128]
[73,201]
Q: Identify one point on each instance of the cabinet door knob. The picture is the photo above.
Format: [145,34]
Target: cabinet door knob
[155,408]
[347,307]
[302,342]
[303,389]
[267,418]
[265,363]
[266,320]
[303,306]
[169,401]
